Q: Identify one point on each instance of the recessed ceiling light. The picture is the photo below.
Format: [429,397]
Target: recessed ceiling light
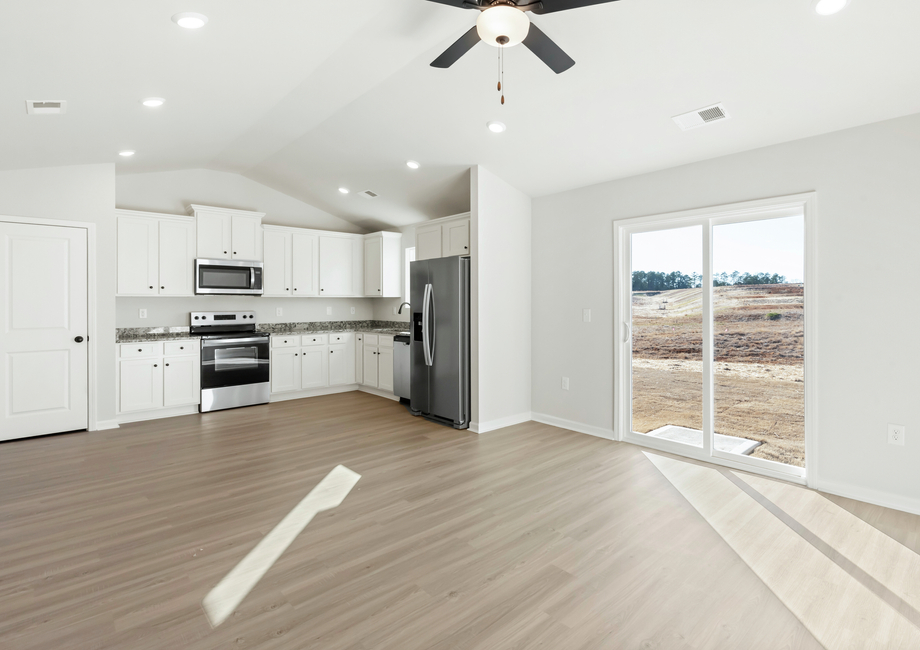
[829,7]
[190,20]
[153,102]
[127,153]
[343,190]
[411,164]
[497,127]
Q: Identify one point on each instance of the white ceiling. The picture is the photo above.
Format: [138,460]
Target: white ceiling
[307,96]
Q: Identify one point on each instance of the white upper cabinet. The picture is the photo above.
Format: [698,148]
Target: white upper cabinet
[138,263]
[277,269]
[246,237]
[456,238]
[443,238]
[428,242]
[305,265]
[341,265]
[228,234]
[383,265]
[177,258]
[156,254]
[213,235]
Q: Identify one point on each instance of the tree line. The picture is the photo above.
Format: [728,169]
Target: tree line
[659,281]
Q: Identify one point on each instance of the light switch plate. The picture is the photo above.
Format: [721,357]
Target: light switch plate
[896,433]
[279,311]
[328,311]
[586,315]
[565,383]
[142,313]
[352,310]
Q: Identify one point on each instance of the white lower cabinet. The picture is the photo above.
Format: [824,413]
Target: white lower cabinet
[378,361]
[141,383]
[385,369]
[285,368]
[312,361]
[314,367]
[371,363]
[181,380]
[158,375]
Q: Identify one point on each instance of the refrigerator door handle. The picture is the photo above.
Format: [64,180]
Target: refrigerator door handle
[425,306]
[434,325]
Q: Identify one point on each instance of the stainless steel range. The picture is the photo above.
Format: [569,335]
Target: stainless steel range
[234,359]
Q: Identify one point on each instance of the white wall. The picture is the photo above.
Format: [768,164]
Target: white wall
[173,312]
[500,238]
[172,192]
[79,193]
[868,268]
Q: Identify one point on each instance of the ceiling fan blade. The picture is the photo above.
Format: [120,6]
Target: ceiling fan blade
[463,4]
[452,54]
[552,6]
[547,51]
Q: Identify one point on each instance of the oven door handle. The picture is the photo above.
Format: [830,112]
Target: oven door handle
[233,342]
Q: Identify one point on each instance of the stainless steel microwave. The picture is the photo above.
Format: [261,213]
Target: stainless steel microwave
[228,277]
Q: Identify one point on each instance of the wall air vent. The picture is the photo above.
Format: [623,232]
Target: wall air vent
[46,106]
[367,194]
[702,117]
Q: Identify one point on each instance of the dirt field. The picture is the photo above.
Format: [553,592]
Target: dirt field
[759,394]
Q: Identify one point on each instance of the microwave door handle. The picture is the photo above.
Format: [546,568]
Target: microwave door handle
[252,277]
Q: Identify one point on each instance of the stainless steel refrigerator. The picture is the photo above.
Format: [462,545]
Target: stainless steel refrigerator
[440,347]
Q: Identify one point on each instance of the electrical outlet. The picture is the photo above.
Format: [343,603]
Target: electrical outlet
[896,433]
[565,383]
[279,311]
[328,311]
[586,315]
[352,310]
[142,313]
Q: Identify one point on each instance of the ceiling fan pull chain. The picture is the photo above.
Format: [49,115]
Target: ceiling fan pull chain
[501,55]
[498,60]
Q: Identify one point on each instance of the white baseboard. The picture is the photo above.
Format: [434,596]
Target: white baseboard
[378,392]
[571,425]
[500,423]
[103,425]
[315,392]
[142,416]
[868,495]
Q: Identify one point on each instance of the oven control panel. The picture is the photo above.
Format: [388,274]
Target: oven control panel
[222,317]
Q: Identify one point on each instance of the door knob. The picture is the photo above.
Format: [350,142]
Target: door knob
[79,339]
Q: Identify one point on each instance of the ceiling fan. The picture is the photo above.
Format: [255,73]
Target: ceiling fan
[504,23]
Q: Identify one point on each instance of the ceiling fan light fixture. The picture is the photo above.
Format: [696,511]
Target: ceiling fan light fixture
[829,7]
[502,26]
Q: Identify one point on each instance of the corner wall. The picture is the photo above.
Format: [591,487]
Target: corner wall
[78,193]
[500,239]
[867,238]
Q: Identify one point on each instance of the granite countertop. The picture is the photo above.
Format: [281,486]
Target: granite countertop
[149,334]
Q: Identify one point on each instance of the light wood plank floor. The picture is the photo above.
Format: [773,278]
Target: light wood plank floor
[527,537]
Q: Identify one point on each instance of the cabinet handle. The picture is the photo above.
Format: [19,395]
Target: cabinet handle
[225,252]
[331,351]
[295,354]
[464,248]
[140,350]
[322,289]
[181,348]
[151,286]
[162,287]
[154,365]
[167,365]
[234,252]
[295,288]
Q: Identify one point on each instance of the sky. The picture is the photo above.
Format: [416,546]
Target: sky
[767,246]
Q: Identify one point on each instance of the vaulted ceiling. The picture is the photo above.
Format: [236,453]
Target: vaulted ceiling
[308,96]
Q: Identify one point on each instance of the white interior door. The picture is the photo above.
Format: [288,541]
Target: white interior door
[43,317]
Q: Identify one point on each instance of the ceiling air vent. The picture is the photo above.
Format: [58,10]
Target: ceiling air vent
[46,106]
[702,117]
[367,194]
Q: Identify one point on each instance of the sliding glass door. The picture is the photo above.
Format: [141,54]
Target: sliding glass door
[711,356]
